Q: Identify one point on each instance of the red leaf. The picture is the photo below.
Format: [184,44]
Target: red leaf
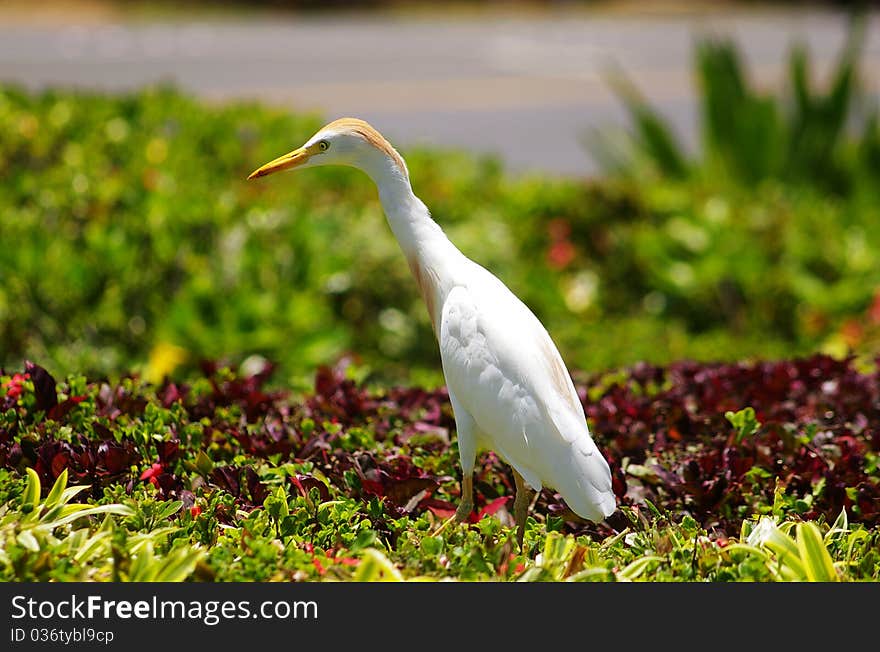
[44,386]
[114,457]
[256,488]
[154,470]
[167,451]
[439,508]
[441,512]
[171,394]
[304,483]
[59,463]
[61,410]
[294,479]
[373,487]
[226,477]
[15,385]
[493,507]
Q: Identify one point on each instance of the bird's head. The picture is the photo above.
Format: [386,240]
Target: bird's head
[347,141]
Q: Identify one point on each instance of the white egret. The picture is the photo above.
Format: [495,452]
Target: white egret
[509,388]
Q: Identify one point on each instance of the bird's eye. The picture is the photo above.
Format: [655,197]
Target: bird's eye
[323,145]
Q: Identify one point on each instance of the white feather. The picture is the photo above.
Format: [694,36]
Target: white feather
[504,370]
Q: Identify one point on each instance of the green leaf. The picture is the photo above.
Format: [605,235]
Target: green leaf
[818,565]
[57,490]
[169,509]
[653,508]
[840,525]
[787,554]
[798,72]
[654,137]
[72,491]
[744,421]
[367,538]
[141,540]
[376,567]
[204,464]
[634,569]
[595,574]
[752,550]
[92,546]
[178,565]
[432,546]
[142,564]
[612,541]
[557,551]
[60,511]
[65,510]
[31,495]
[79,512]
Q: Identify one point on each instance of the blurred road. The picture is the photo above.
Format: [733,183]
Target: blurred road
[527,87]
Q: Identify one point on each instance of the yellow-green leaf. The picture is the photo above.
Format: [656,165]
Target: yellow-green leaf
[557,551]
[593,574]
[70,492]
[787,553]
[57,490]
[376,567]
[31,495]
[178,565]
[818,565]
[840,525]
[636,568]
[71,513]
[92,546]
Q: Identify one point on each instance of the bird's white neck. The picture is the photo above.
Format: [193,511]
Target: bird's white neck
[432,258]
[410,220]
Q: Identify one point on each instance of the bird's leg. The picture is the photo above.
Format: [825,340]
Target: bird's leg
[467,450]
[521,507]
[466,506]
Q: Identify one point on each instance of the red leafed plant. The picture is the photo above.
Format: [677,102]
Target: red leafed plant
[812,437]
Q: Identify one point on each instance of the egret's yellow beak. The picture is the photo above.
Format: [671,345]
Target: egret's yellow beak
[289,160]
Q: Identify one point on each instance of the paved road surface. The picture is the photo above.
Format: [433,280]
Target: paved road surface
[527,87]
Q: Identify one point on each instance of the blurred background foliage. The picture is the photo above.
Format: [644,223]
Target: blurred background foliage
[131,240]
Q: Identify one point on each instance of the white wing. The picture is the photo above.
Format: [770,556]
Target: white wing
[504,369]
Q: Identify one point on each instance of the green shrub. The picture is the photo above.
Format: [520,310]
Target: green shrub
[802,136]
[220,479]
[131,240]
